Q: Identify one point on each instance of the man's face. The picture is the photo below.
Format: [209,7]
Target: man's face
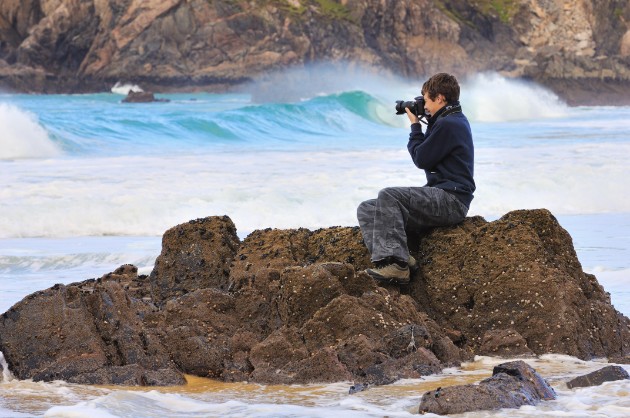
[432,106]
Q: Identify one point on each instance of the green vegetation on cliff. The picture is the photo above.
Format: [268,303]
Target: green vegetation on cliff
[327,8]
[504,9]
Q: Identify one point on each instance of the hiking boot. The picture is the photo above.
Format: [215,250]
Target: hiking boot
[413,264]
[390,274]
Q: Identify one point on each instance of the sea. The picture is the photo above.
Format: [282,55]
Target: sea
[88,183]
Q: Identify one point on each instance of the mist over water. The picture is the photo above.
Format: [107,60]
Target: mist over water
[490,97]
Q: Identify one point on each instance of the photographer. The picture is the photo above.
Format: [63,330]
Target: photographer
[446,154]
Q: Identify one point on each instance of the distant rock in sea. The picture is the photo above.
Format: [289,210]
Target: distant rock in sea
[142,97]
[294,306]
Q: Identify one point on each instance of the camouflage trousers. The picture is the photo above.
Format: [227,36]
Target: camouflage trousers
[397,211]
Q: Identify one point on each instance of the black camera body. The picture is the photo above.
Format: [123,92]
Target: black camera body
[416,106]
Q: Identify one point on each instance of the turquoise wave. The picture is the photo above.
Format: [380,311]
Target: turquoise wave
[102,124]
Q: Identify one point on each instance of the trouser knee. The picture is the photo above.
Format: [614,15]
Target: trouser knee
[365,210]
[388,193]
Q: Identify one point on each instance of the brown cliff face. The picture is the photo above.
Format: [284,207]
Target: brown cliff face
[295,306]
[78,45]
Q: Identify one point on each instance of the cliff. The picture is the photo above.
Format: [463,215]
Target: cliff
[580,48]
[294,306]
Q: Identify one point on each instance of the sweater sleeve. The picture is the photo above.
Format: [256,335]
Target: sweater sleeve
[416,132]
[427,152]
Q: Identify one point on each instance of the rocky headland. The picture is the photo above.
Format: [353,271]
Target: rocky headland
[578,48]
[294,306]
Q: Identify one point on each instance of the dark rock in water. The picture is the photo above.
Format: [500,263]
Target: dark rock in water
[512,385]
[141,97]
[596,378]
[294,306]
[359,387]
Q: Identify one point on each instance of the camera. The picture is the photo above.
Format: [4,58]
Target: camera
[416,106]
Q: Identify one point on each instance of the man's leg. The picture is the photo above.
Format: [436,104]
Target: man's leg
[382,222]
[365,215]
[385,221]
[431,207]
[391,212]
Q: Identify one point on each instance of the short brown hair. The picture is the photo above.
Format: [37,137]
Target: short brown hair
[442,83]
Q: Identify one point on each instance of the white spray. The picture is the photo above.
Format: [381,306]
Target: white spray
[23,136]
[6,373]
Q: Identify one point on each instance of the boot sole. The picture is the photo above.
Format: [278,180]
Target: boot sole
[387,280]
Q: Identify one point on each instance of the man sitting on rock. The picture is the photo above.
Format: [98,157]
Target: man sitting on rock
[446,154]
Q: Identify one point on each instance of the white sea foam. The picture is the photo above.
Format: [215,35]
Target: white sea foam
[22,135]
[491,97]
[397,400]
[125,88]
[7,376]
[147,195]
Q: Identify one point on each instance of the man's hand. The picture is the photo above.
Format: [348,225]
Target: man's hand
[412,118]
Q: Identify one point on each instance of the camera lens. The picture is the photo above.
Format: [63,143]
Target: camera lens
[401,105]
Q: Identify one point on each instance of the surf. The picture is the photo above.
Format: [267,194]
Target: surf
[23,136]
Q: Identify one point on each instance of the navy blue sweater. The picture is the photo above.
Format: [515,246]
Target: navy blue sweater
[445,153]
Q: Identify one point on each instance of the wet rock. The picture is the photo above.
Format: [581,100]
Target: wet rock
[512,385]
[620,360]
[596,378]
[141,97]
[359,387]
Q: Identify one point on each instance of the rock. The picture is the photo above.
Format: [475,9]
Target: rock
[596,378]
[88,46]
[141,97]
[216,307]
[359,387]
[518,274]
[89,333]
[512,385]
[195,255]
[620,360]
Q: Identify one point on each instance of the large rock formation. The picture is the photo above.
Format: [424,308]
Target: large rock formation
[578,47]
[294,306]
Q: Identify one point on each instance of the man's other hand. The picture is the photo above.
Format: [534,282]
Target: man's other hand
[412,118]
